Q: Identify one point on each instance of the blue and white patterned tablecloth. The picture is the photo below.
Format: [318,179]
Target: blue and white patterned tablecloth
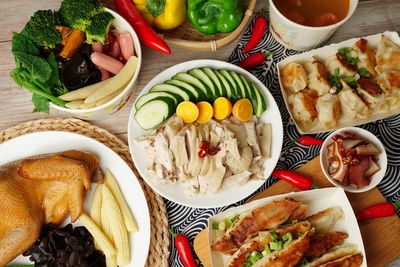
[190,221]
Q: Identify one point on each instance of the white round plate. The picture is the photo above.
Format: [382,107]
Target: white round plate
[226,196]
[52,141]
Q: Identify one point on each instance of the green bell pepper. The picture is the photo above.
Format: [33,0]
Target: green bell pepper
[212,16]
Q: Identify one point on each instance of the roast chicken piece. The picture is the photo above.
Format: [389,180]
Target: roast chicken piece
[38,191]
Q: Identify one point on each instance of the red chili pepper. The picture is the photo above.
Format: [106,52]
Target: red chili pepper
[146,34]
[260,24]
[185,252]
[202,153]
[298,180]
[204,145]
[253,60]
[309,140]
[377,211]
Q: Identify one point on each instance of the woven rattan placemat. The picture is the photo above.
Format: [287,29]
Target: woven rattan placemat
[160,238]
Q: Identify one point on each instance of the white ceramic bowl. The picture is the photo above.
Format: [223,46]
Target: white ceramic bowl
[299,37]
[223,196]
[382,162]
[117,103]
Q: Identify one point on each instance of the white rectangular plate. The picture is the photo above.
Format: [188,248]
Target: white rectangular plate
[317,199]
[322,54]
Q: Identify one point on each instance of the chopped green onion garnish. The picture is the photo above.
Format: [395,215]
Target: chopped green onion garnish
[303,261]
[363,72]
[246,264]
[248,255]
[255,256]
[215,226]
[274,236]
[299,235]
[267,250]
[276,245]
[346,51]
[235,218]
[335,80]
[341,243]
[295,221]
[351,81]
[287,238]
[228,223]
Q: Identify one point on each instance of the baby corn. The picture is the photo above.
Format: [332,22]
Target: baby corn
[95,208]
[103,242]
[114,221]
[112,183]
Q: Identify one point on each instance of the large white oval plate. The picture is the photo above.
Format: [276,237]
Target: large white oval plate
[53,141]
[223,197]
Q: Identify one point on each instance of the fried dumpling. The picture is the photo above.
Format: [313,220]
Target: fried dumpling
[324,220]
[390,81]
[366,56]
[303,109]
[387,56]
[318,76]
[339,62]
[352,105]
[334,254]
[329,111]
[371,93]
[294,77]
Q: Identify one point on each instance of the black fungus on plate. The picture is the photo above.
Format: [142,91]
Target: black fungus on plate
[65,247]
[78,71]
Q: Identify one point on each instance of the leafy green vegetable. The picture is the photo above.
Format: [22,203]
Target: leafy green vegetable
[346,51]
[363,72]
[20,43]
[36,74]
[41,28]
[37,66]
[57,87]
[351,81]
[41,103]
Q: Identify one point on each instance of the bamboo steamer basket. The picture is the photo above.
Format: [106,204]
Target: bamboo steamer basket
[187,37]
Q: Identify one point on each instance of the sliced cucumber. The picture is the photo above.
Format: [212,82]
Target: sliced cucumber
[150,96]
[217,81]
[234,94]
[250,92]
[193,81]
[225,84]
[261,104]
[198,94]
[154,112]
[182,93]
[199,74]
[241,90]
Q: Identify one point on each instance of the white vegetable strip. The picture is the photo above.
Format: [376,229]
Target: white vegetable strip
[126,43]
[114,218]
[115,82]
[83,92]
[103,242]
[108,98]
[76,104]
[112,183]
[106,62]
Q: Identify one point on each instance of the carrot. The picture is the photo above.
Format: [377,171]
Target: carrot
[243,110]
[65,32]
[205,112]
[222,108]
[74,42]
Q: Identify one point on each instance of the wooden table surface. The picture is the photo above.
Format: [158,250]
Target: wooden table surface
[371,16]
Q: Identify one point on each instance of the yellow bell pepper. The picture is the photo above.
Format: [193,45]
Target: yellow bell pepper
[163,14]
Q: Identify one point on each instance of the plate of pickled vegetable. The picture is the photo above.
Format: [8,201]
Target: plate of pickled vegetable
[200,92]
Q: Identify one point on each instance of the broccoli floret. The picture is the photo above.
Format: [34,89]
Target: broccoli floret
[40,28]
[77,13]
[98,28]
